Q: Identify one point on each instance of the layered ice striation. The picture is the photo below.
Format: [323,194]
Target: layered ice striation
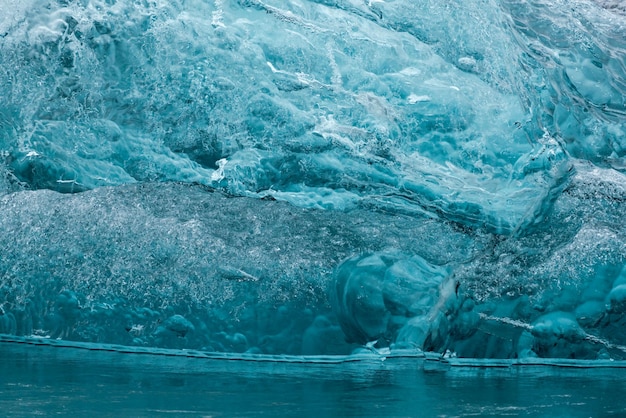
[310,177]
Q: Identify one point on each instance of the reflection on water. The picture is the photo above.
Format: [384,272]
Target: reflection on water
[44,380]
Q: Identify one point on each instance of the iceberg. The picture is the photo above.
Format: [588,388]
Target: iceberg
[315,177]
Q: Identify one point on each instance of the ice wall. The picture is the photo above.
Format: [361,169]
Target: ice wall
[446,176]
[322,105]
[182,266]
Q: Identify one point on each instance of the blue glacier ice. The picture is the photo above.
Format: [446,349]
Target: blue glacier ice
[316,177]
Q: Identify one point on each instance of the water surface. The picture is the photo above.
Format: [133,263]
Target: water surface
[44,380]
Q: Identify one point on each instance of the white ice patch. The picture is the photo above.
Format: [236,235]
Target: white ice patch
[414,98]
[410,71]
[218,174]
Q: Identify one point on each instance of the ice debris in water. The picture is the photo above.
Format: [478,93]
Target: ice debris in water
[408,174]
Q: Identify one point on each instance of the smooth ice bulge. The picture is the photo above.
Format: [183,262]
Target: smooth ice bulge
[374,295]
[310,177]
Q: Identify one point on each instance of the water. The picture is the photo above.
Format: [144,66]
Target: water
[51,381]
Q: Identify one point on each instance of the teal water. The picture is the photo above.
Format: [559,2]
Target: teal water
[51,381]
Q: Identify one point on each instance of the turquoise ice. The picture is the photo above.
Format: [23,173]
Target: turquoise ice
[315,177]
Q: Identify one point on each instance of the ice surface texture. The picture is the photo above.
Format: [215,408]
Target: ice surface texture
[180,266]
[418,173]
